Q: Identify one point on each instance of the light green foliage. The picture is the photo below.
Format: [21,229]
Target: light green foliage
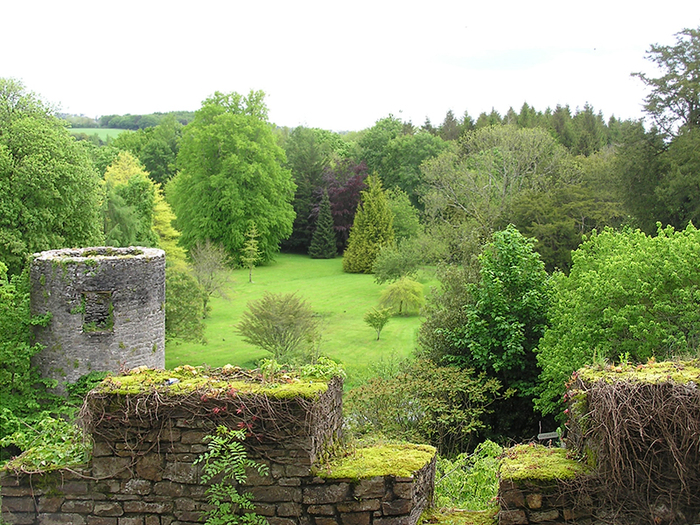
[673,100]
[231,173]
[250,254]
[48,444]
[184,307]
[163,217]
[406,222]
[396,261]
[681,372]
[324,368]
[377,318]
[627,293]
[49,191]
[400,460]
[444,406]
[323,240]
[374,141]
[22,390]
[538,463]
[403,297]
[469,481]
[371,230]
[280,324]
[226,460]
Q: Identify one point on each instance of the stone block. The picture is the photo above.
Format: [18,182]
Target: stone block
[105,508]
[547,515]
[79,506]
[281,521]
[190,437]
[60,519]
[289,510]
[512,517]
[21,518]
[394,520]
[404,490]
[110,467]
[150,467]
[266,509]
[370,488]
[289,482]
[397,507]
[168,488]
[135,520]
[96,520]
[181,473]
[332,493]
[355,518]
[534,501]
[511,499]
[152,520]
[100,449]
[325,521]
[142,507]
[273,494]
[364,505]
[141,487]
[296,471]
[11,504]
[321,510]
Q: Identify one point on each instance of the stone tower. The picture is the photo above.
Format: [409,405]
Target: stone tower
[107,309]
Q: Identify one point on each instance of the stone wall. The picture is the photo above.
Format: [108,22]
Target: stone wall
[107,307]
[524,503]
[147,477]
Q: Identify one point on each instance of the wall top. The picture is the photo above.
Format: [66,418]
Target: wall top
[98,252]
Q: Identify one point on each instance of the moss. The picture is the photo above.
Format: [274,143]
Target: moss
[460,517]
[187,379]
[676,371]
[538,463]
[400,460]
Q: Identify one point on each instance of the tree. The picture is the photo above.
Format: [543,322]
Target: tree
[674,100]
[184,307]
[374,141]
[323,241]
[505,314]
[231,173]
[628,294]
[279,323]
[371,230]
[377,318]
[49,191]
[251,253]
[406,222]
[210,270]
[404,297]
[345,181]
[128,186]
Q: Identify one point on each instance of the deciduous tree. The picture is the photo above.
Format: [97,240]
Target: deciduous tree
[231,173]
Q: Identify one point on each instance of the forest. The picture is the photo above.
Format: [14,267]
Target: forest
[559,238]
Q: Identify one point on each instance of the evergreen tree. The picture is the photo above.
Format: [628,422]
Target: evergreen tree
[371,230]
[323,239]
[251,250]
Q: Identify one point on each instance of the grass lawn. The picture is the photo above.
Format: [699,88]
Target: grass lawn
[103,133]
[341,299]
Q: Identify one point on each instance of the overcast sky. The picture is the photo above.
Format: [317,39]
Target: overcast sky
[338,65]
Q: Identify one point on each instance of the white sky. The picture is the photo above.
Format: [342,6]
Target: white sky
[338,65]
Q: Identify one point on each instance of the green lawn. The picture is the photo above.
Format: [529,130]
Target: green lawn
[341,299]
[103,133]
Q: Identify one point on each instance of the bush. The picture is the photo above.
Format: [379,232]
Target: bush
[404,297]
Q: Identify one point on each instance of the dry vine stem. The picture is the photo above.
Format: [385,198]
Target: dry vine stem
[644,440]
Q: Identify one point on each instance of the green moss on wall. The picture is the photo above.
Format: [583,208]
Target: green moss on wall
[537,463]
[400,460]
[676,371]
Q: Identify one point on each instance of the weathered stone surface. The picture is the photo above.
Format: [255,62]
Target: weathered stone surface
[289,482]
[546,515]
[266,509]
[325,521]
[321,510]
[289,509]
[397,507]
[60,519]
[137,486]
[108,509]
[332,493]
[137,520]
[79,506]
[108,467]
[96,520]
[168,488]
[534,501]
[18,504]
[180,473]
[295,471]
[142,507]
[275,494]
[394,520]
[152,520]
[355,518]
[359,506]
[281,521]
[512,517]
[511,499]
[370,488]
[404,490]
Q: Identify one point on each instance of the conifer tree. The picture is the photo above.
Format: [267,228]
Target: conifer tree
[251,250]
[323,239]
[371,230]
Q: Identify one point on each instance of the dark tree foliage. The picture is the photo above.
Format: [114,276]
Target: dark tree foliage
[130,121]
[345,181]
[323,241]
[184,307]
[374,141]
[307,158]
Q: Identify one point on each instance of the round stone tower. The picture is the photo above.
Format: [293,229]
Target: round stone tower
[107,309]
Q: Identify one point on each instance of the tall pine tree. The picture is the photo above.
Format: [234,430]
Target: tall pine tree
[371,230]
[323,239]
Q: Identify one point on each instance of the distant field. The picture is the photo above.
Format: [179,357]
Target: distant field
[103,133]
[341,300]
